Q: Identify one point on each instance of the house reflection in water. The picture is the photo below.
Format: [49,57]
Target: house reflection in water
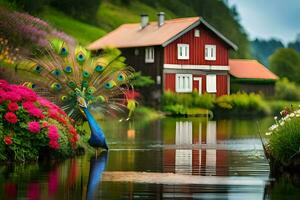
[196,151]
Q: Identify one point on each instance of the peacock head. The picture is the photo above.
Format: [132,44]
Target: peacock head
[81,101]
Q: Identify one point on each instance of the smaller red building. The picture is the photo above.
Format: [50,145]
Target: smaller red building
[251,76]
[182,55]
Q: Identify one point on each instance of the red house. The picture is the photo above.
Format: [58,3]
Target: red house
[181,55]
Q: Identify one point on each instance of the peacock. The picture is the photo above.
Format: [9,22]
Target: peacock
[80,81]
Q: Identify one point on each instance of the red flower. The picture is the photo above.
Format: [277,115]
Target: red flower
[54,144]
[8,140]
[45,124]
[11,117]
[12,106]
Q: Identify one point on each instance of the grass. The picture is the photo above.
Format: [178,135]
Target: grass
[110,16]
[285,140]
[82,32]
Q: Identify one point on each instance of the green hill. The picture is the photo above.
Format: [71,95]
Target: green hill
[99,17]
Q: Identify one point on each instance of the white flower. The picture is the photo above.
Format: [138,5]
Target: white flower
[268,133]
[273,127]
[275,118]
[292,115]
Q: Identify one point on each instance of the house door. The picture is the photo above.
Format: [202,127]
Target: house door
[199,79]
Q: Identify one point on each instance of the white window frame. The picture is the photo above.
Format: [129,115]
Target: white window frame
[210,52]
[197,33]
[211,83]
[183,51]
[184,82]
[149,55]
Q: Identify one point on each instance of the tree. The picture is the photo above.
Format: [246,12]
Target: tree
[285,62]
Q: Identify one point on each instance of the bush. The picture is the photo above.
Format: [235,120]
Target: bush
[286,90]
[188,100]
[241,104]
[284,136]
[31,127]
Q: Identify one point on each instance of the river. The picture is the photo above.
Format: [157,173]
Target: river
[186,158]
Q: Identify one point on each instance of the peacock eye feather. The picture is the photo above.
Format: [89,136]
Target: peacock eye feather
[85,74]
[56,72]
[56,86]
[99,68]
[91,90]
[38,69]
[63,51]
[84,84]
[80,57]
[64,98]
[100,99]
[68,69]
[71,84]
[109,85]
[121,77]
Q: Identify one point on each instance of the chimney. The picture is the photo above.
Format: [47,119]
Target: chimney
[160,19]
[144,20]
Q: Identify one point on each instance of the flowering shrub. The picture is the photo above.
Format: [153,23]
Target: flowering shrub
[31,126]
[284,135]
[25,31]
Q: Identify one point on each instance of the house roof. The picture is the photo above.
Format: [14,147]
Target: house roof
[249,69]
[131,35]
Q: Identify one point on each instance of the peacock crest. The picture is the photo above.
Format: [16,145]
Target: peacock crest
[75,77]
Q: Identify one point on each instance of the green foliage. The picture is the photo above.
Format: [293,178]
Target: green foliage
[79,9]
[286,90]
[242,104]
[285,137]
[188,100]
[262,49]
[140,81]
[278,105]
[31,6]
[84,33]
[285,62]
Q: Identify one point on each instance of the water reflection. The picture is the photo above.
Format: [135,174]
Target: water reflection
[97,166]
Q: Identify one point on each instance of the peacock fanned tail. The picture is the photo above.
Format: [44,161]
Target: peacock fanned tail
[69,71]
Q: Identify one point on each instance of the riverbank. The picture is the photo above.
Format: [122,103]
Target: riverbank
[227,106]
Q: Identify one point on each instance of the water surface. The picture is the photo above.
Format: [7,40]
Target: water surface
[190,158]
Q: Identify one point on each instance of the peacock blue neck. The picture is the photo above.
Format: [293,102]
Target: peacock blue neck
[97,138]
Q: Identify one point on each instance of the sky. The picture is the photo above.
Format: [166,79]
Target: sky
[269,18]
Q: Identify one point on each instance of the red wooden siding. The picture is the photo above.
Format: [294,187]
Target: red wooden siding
[222,85]
[196,48]
[169,83]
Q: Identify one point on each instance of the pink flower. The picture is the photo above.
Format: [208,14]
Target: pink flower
[3,83]
[54,144]
[28,105]
[12,96]
[11,117]
[34,127]
[12,106]
[35,112]
[53,133]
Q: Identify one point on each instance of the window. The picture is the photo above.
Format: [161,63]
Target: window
[197,33]
[149,55]
[183,51]
[184,82]
[210,52]
[211,83]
